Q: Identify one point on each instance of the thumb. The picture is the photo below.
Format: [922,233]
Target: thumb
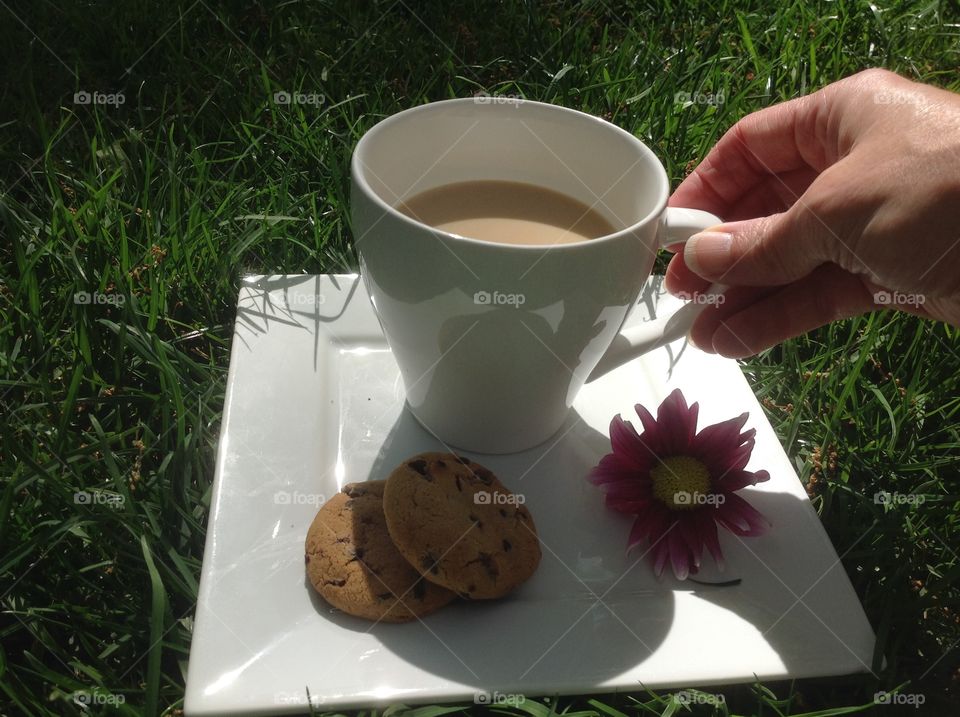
[767,251]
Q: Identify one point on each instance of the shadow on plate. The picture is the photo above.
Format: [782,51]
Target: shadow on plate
[538,631]
[305,301]
[590,612]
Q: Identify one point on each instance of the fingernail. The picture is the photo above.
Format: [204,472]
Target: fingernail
[708,253]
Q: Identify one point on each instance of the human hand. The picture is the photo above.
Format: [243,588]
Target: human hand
[835,204]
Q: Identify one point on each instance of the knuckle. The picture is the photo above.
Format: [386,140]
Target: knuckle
[769,244]
[877,77]
[826,217]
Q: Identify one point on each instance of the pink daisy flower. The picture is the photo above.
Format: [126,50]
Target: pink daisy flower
[680,484]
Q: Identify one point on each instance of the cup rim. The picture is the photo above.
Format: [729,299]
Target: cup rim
[358,176]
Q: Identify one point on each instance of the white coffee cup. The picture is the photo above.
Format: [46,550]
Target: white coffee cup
[495,340]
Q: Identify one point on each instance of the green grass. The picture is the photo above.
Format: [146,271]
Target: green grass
[199,177]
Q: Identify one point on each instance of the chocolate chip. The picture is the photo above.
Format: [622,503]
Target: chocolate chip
[419,589]
[465,461]
[306,558]
[503,513]
[420,466]
[428,562]
[485,476]
[384,596]
[506,545]
[459,484]
[489,564]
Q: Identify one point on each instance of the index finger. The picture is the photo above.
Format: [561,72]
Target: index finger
[762,145]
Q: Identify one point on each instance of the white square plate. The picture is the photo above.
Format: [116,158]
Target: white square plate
[314,401]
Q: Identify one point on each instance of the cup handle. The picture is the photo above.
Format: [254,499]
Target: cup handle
[677,226]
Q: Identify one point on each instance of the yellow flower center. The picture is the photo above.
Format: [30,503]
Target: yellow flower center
[681,482]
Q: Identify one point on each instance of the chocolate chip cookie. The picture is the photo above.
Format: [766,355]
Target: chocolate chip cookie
[459,526]
[354,565]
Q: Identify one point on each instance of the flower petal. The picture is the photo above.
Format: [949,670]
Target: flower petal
[720,437]
[680,559]
[640,528]
[626,505]
[652,525]
[741,518]
[649,441]
[723,433]
[661,552]
[637,532]
[691,537]
[633,488]
[736,480]
[628,445]
[736,459]
[628,492]
[707,527]
[675,537]
[647,420]
[611,468]
[658,520]
[677,424]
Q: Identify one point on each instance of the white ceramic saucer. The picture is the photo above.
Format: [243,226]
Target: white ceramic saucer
[314,400]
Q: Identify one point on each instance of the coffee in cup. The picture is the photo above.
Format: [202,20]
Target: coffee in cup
[507,212]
